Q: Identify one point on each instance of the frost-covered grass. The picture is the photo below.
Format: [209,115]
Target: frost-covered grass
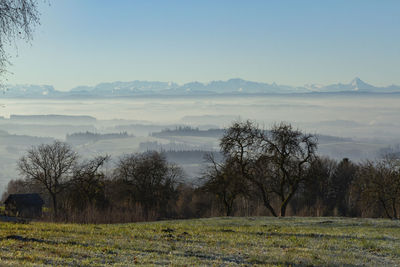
[215,241]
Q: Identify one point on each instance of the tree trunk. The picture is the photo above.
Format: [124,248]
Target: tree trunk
[283,209]
[266,202]
[285,202]
[228,206]
[146,211]
[54,198]
[228,210]
[270,208]
[384,207]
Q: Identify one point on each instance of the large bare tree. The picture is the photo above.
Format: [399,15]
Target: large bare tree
[51,165]
[287,155]
[274,161]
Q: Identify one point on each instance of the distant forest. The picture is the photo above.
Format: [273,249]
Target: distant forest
[84,137]
[189,131]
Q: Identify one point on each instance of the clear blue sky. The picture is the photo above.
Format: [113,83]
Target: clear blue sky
[289,42]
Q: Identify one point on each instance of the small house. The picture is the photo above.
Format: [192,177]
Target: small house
[24,205]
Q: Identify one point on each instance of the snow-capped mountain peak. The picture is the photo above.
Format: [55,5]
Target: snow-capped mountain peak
[233,86]
[359,85]
[356,82]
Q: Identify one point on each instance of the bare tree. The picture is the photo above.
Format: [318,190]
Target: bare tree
[379,183]
[288,154]
[225,181]
[275,161]
[242,143]
[51,165]
[149,179]
[87,183]
[17,20]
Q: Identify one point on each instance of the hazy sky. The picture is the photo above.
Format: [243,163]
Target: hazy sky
[289,42]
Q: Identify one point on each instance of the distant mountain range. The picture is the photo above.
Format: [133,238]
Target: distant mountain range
[229,87]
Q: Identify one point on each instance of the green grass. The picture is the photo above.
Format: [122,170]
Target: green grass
[216,241]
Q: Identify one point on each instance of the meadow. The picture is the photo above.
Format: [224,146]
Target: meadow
[263,241]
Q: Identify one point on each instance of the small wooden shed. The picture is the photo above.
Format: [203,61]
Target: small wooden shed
[24,205]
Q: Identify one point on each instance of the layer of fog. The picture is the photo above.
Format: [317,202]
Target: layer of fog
[369,122]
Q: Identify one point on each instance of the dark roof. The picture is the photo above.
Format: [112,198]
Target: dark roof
[25,199]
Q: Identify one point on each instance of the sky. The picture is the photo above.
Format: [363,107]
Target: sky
[287,42]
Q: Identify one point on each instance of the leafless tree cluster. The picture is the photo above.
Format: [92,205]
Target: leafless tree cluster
[379,185]
[145,182]
[275,172]
[275,163]
[280,168]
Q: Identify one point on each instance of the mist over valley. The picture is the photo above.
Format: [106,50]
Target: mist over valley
[357,126]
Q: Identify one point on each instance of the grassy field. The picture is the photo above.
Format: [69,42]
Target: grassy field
[216,241]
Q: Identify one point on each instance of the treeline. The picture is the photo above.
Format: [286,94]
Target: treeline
[188,131]
[172,146]
[275,172]
[84,137]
